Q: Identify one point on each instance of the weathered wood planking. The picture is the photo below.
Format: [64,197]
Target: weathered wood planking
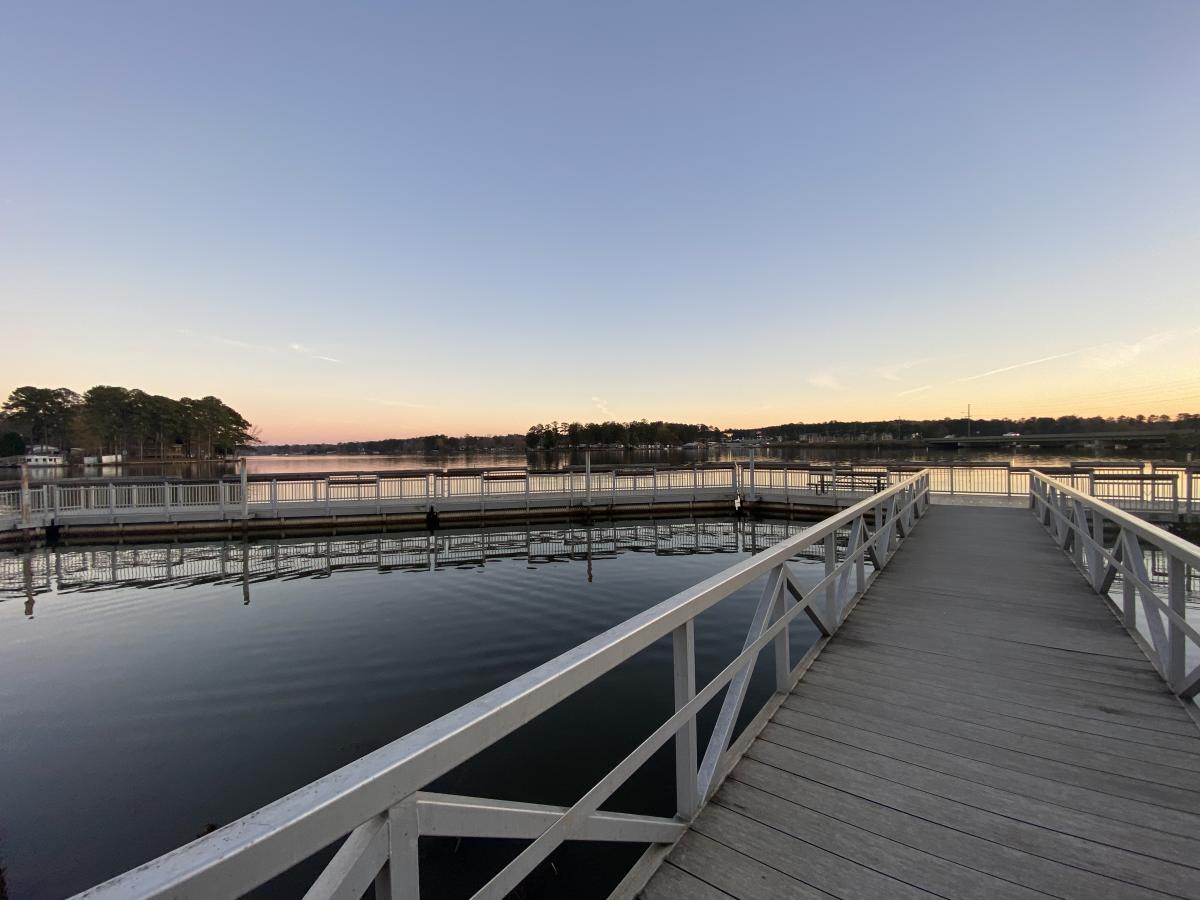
[982,726]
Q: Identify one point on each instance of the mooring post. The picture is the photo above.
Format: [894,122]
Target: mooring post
[245,487]
[26,500]
[587,477]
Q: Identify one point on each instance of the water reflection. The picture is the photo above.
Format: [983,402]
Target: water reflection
[68,570]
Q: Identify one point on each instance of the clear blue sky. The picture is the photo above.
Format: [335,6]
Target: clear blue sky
[358,220]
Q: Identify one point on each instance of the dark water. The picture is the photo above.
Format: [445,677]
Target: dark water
[149,693]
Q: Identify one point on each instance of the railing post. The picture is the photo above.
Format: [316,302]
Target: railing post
[1128,590]
[687,793]
[860,564]
[1176,637]
[400,879]
[587,476]
[831,611]
[275,497]
[112,501]
[951,468]
[751,495]
[167,499]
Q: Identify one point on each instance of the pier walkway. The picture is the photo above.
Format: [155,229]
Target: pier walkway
[997,703]
[981,726]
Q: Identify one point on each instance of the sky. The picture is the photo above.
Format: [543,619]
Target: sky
[355,221]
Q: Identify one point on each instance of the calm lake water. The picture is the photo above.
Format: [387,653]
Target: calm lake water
[149,693]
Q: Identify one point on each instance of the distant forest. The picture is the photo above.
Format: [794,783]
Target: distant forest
[107,419]
[428,443]
[642,432]
[560,434]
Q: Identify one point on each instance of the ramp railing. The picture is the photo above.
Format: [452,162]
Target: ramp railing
[378,807]
[1109,545]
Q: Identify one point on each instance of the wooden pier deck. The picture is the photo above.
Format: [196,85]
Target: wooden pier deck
[981,726]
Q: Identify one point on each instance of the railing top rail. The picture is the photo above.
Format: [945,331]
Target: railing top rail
[234,858]
[1134,476]
[1160,537]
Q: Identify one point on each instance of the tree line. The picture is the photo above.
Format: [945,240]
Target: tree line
[428,443]
[107,419]
[642,432]
[900,429]
[636,433]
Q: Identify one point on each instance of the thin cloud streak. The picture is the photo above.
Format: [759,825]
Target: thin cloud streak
[312,354]
[916,390]
[227,341]
[892,373]
[1028,363]
[1119,356]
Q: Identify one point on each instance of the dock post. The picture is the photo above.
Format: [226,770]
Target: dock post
[245,488]
[26,500]
[751,473]
[587,476]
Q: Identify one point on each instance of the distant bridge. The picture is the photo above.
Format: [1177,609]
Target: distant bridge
[1159,436]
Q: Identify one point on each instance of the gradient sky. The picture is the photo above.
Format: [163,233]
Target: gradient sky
[365,220]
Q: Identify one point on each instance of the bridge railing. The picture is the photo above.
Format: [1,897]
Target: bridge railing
[378,804]
[1109,546]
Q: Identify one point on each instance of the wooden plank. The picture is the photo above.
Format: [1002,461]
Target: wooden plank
[924,834]
[859,714]
[1046,704]
[1097,821]
[915,867]
[1071,640]
[999,757]
[672,883]
[1147,680]
[1086,799]
[998,651]
[1105,870]
[735,874]
[1017,686]
[800,859]
[898,702]
[931,698]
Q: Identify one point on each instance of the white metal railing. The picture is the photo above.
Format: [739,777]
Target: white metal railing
[1156,615]
[1170,490]
[378,803]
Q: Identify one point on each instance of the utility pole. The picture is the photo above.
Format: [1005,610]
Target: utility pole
[968,420]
